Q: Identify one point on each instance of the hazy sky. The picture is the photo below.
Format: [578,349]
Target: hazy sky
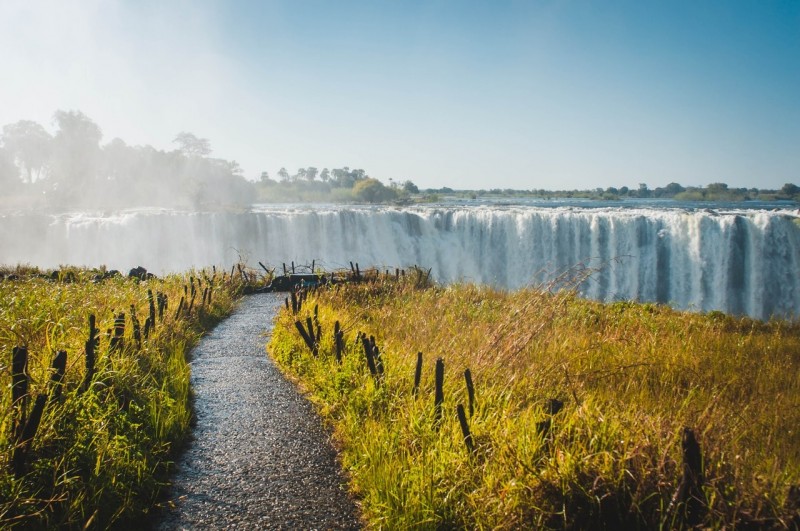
[519,94]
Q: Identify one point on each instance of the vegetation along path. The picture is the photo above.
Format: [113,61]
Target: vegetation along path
[259,457]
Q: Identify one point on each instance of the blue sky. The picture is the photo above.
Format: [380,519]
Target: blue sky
[553,95]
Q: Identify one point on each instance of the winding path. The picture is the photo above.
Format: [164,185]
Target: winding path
[259,457]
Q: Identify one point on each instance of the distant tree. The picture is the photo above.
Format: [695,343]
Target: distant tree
[624,190]
[192,146]
[372,191]
[9,173]
[410,187]
[673,189]
[76,151]
[264,178]
[283,175]
[790,189]
[311,173]
[301,174]
[325,175]
[717,187]
[30,145]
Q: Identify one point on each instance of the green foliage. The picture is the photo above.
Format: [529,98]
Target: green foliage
[631,377]
[100,455]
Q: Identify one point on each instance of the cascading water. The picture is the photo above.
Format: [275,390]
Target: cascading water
[742,262]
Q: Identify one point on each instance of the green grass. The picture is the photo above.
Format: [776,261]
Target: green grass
[631,377]
[100,457]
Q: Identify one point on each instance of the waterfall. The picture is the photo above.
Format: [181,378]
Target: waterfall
[739,261]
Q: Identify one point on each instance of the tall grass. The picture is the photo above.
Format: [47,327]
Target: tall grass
[631,377]
[100,456]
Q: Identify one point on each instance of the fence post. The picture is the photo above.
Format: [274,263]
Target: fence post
[19,389]
[89,351]
[438,399]
[57,378]
[470,391]
[417,374]
[462,419]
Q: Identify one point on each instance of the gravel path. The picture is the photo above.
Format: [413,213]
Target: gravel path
[259,458]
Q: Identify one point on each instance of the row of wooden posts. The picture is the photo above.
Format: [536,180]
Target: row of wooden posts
[311,333]
[688,498]
[25,423]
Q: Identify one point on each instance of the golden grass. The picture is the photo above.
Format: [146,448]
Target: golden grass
[631,376]
[100,456]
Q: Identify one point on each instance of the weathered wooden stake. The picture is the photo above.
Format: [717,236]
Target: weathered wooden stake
[295,307]
[338,341]
[368,353]
[470,391]
[151,308]
[438,399]
[29,431]
[310,343]
[689,500]
[137,330]
[57,378]
[180,308]
[462,419]
[89,352]
[417,374]
[19,389]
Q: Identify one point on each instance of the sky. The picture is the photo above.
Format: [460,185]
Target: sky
[470,95]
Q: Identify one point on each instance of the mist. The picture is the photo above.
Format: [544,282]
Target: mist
[70,168]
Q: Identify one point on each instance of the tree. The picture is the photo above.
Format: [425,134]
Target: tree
[311,173]
[325,176]
[372,191]
[264,179]
[301,174]
[410,187]
[29,144]
[9,174]
[790,189]
[673,189]
[76,151]
[192,146]
[283,175]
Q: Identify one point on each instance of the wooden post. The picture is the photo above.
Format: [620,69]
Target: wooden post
[180,308]
[368,353]
[462,419]
[688,499]
[417,374]
[470,392]
[89,351]
[137,330]
[438,399]
[338,341]
[19,389]
[295,308]
[151,307]
[57,378]
[118,339]
[313,263]
[309,340]
[284,269]
[293,267]
[29,431]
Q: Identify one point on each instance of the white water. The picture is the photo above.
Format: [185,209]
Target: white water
[743,262]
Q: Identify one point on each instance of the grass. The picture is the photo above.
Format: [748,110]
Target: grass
[101,455]
[631,377]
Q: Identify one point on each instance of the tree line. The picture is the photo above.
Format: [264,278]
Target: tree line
[71,168]
[338,185]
